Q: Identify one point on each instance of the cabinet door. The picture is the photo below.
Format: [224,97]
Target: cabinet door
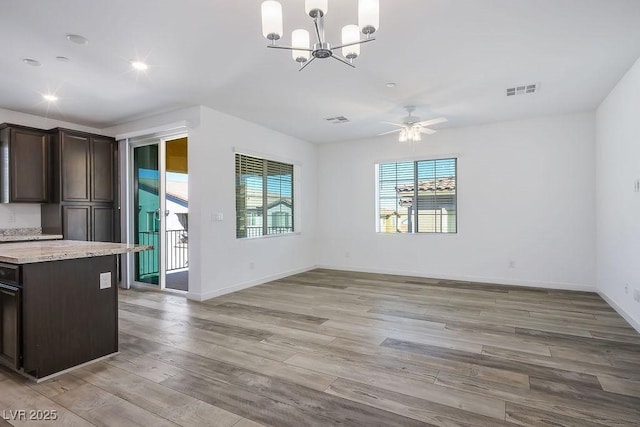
[10,333]
[76,168]
[75,222]
[29,168]
[102,169]
[102,223]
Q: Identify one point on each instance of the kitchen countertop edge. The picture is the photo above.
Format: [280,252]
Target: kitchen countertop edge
[55,250]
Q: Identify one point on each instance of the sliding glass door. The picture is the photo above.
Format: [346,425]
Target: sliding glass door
[147,219]
[158,213]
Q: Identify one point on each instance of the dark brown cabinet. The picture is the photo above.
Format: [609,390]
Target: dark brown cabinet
[73,153]
[10,305]
[76,222]
[55,315]
[102,172]
[24,167]
[10,315]
[84,187]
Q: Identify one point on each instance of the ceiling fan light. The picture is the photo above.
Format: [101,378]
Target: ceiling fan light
[316,8]
[368,16]
[417,135]
[350,34]
[300,39]
[271,20]
[403,135]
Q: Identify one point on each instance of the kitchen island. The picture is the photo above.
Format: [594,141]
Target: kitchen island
[58,304]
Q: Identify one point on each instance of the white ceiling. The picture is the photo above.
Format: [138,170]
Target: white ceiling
[451,58]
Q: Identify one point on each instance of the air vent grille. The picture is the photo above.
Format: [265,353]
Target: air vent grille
[523,89]
[337,120]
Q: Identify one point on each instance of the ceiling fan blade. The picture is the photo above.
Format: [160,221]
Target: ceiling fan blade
[394,124]
[427,131]
[391,131]
[433,121]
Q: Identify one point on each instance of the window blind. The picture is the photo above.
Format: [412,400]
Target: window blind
[264,197]
[418,196]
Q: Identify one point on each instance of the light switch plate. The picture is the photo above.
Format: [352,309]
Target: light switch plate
[105,280]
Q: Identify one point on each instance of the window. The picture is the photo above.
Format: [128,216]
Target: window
[264,197]
[418,197]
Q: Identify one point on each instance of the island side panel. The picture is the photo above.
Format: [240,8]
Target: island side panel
[67,319]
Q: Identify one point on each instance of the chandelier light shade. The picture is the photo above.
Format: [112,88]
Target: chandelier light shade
[316,8]
[300,39]
[304,50]
[272,20]
[368,16]
[350,38]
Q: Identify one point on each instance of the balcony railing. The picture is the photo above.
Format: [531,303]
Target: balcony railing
[177,241]
[258,231]
[176,252]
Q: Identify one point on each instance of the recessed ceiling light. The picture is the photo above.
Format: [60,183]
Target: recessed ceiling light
[139,66]
[77,39]
[50,98]
[31,62]
[63,59]
[391,84]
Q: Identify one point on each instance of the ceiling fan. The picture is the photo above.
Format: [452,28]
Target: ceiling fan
[411,128]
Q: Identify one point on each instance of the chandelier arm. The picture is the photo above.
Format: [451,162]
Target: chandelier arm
[289,48]
[354,43]
[307,63]
[319,29]
[341,59]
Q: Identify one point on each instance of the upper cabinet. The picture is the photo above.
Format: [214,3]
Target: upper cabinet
[84,167]
[83,194]
[24,164]
[102,171]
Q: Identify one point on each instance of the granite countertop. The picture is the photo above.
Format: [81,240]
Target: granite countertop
[25,234]
[54,250]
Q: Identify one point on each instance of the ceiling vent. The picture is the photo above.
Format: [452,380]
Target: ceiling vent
[523,89]
[337,120]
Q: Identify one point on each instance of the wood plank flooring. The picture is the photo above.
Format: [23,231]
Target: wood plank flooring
[327,348]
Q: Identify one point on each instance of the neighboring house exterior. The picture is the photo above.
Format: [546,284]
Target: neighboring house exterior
[435,207]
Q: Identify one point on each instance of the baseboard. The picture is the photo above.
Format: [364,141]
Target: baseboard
[480,279]
[633,322]
[240,286]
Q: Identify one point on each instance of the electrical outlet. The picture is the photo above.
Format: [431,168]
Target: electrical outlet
[626,288]
[347,254]
[12,218]
[636,186]
[105,280]
[512,264]
[251,265]
[636,295]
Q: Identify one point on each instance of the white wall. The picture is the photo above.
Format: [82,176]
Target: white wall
[227,263]
[13,215]
[28,215]
[218,262]
[526,194]
[618,206]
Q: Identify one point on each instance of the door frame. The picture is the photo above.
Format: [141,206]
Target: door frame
[129,211]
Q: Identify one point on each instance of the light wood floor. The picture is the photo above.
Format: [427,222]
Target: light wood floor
[330,348]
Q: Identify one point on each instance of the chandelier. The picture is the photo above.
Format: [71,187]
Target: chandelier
[303,52]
